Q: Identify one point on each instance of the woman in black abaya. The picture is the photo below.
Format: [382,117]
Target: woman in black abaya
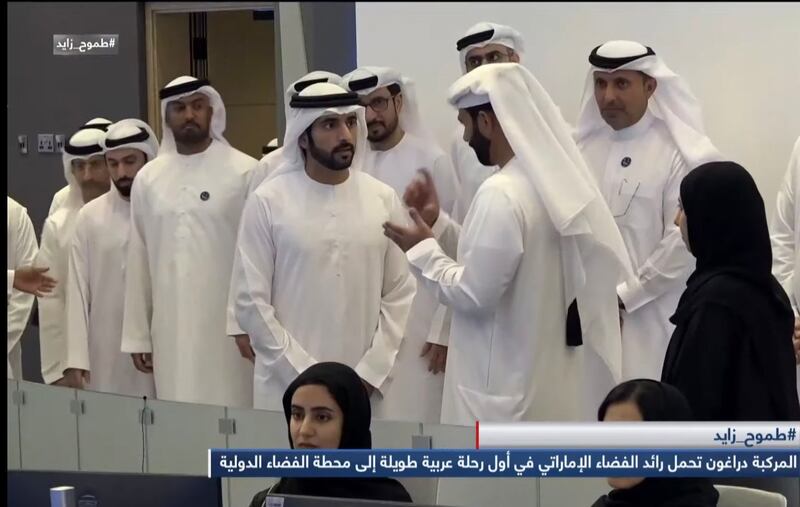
[731,353]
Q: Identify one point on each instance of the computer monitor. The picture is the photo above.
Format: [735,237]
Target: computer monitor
[32,489]
[315,501]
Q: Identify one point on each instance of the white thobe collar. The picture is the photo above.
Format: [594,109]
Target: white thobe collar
[395,147]
[116,197]
[635,130]
[327,186]
[196,158]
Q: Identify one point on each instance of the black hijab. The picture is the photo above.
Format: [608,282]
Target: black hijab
[727,224]
[728,235]
[346,388]
[657,402]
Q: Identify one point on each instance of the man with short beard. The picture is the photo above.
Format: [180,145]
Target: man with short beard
[96,281]
[399,146]
[483,43]
[314,279]
[273,158]
[185,210]
[537,238]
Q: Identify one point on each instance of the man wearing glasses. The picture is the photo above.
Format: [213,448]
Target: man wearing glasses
[640,131]
[483,43]
[400,145]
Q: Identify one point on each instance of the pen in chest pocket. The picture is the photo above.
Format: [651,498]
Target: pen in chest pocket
[625,184]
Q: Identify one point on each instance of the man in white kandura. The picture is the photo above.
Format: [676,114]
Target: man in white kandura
[96,282]
[537,245]
[786,242]
[60,197]
[24,281]
[640,131]
[314,278]
[274,158]
[484,43]
[400,145]
[86,172]
[185,210]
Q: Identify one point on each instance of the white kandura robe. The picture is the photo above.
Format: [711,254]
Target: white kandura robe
[469,171]
[508,359]
[185,211]
[54,254]
[415,393]
[95,298]
[267,164]
[315,279]
[786,235]
[639,171]
[22,249]
[59,198]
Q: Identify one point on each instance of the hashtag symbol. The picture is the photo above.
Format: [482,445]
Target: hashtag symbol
[792,434]
[111,43]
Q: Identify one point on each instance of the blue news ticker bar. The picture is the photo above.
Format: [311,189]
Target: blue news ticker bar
[637,435]
[504,463]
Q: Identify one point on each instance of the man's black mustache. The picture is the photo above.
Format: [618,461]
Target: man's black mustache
[123,181]
[344,147]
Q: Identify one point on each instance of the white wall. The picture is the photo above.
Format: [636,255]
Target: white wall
[742,61]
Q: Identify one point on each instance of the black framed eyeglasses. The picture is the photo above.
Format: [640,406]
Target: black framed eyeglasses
[378,105]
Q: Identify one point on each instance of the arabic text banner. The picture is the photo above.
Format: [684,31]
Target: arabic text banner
[504,463]
[650,435]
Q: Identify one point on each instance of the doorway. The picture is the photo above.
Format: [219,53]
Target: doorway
[230,44]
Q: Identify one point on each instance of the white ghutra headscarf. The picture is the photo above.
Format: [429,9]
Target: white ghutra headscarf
[593,254]
[182,87]
[673,101]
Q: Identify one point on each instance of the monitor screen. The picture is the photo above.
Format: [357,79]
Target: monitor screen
[32,489]
[311,501]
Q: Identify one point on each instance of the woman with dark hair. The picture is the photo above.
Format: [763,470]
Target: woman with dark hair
[649,400]
[327,407]
[731,353]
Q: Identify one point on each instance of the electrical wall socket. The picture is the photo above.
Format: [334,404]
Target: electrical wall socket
[22,142]
[60,143]
[46,143]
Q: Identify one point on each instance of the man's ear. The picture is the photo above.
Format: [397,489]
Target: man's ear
[303,141]
[168,114]
[485,123]
[398,102]
[650,86]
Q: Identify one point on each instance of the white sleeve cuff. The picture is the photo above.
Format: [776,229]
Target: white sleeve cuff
[633,295]
[136,347]
[416,254]
[234,330]
[373,378]
[441,224]
[52,376]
